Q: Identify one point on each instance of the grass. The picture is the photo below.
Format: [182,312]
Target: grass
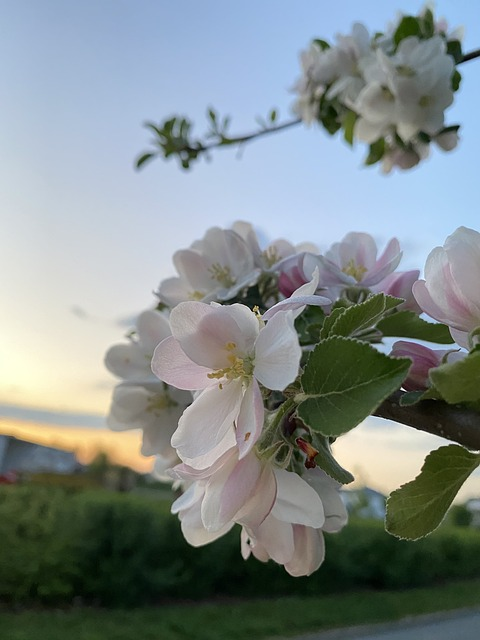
[252,620]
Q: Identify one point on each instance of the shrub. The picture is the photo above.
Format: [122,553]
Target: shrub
[124,550]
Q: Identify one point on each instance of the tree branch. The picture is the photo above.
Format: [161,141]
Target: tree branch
[448,421]
[470,56]
[226,141]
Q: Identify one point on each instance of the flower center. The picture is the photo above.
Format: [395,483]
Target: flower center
[270,256]
[222,275]
[158,402]
[196,295]
[238,367]
[357,271]
[425,101]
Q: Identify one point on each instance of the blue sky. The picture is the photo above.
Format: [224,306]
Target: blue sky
[87,239]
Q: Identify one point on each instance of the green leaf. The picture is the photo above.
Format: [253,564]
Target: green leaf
[330,321]
[427,24]
[344,381]
[454,49]
[410,398]
[349,126]
[459,381]
[418,507]
[272,115]
[143,159]
[409,26]
[323,44]
[309,325]
[456,80]
[362,316]
[406,324]
[376,152]
[327,462]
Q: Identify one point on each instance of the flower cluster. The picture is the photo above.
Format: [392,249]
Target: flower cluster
[389,90]
[232,376]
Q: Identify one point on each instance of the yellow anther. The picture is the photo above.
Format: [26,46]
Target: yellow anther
[222,275]
[271,256]
[357,271]
[159,402]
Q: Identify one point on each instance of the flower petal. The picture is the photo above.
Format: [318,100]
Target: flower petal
[208,423]
[296,501]
[250,419]
[277,352]
[170,364]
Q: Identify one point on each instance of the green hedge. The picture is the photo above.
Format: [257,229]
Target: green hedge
[124,550]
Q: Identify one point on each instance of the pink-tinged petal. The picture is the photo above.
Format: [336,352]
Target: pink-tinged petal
[206,423]
[206,332]
[309,551]
[359,247]
[445,293]
[229,490]
[460,337]
[387,263]
[152,328]
[277,352]
[170,364]
[276,537]
[423,359]
[330,274]
[198,536]
[296,501]
[426,303]
[247,326]
[258,507]
[399,285]
[183,471]
[296,304]
[463,249]
[250,419]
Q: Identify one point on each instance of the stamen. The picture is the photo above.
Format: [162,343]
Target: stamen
[222,275]
[357,271]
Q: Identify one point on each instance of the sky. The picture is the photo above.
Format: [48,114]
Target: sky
[86,238]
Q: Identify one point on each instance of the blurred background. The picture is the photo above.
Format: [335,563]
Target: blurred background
[86,238]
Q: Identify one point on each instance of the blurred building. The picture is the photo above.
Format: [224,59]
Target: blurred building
[18,456]
[364,503]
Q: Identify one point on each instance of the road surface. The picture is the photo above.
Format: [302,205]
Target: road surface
[456,625]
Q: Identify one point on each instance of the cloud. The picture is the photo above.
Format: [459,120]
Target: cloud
[61,418]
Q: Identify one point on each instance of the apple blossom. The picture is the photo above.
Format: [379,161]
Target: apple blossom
[292,532]
[423,359]
[225,352]
[399,284]
[141,401]
[214,268]
[450,291]
[353,262]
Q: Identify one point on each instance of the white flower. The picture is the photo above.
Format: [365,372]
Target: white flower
[267,259]
[450,292]
[408,91]
[224,352]
[353,262]
[292,532]
[142,402]
[214,268]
